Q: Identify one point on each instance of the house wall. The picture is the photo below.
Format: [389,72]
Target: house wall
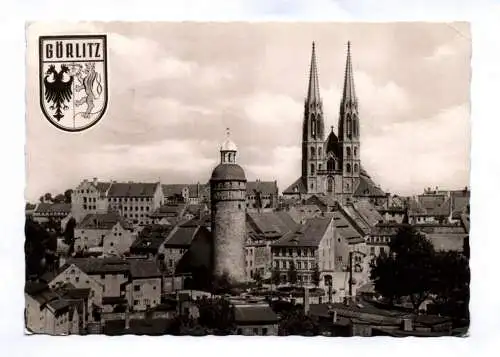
[80,280]
[111,282]
[34,317]
[257,330]
[86,199]
[118,240]
[144,293]
[89,238]
[305,259]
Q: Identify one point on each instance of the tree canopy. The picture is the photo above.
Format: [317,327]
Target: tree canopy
[292,273]
[415,271]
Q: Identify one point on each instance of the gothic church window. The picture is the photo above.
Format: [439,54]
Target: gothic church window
[319,153]
[348,151]
[349,126]
[348,168]
[313,127]
[313,152]
[312,169]
[355,151]
[330,164]
[355,126]
[330,185]
[319,167]
[355,167]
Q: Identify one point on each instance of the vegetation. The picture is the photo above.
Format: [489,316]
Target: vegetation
[415,272]
[59,198]
[295,322]
[316,277]
[39,246]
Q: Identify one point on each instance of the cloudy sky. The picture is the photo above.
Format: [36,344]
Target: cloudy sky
[175,87]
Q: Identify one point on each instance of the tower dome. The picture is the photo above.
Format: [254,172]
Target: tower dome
[228,169]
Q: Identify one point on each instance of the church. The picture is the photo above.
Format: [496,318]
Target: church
[332,167]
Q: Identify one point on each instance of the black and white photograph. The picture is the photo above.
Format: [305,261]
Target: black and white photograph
[247,178]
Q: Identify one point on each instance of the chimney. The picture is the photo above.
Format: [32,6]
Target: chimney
[407,324]
[306,300]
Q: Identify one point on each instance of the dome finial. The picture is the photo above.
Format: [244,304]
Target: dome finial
[331,128]
[228,133]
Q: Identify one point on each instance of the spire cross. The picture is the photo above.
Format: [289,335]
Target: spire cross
[228,133]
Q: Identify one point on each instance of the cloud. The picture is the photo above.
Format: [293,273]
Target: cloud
[406,157]
[272,109]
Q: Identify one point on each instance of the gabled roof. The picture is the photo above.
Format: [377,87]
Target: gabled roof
[264,187]
[181,237]
[102,221]
[309,234]
[94,266]
[133,189]
[248,314]
[143,269]
[368,212]
[270,224]
[366,187]
[297,187]
[151,238]
[54,208]
[323,200]
[169,210]
[344,228]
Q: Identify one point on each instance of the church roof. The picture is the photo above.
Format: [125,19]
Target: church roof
[332,144]
[366,187]
[313,89]
[349,95]
[297,187]
[226,172]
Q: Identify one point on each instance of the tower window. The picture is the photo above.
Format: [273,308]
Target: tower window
[330,185]
[319,153]
[348,168]
[355,126]
[349,127]
[355,151]
[355,167]
[313,152]
[319,166]
[313,127]
[312,169]
[330,164]
[348,151]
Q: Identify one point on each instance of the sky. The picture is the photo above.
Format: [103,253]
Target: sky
[175,87]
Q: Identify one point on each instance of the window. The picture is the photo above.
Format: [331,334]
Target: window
[355,151]
[299,265]
[255,331]
[330,165]
[348,168]
[319,153]
[154,288]
[136,302]
[77,279]
[147,302]
[137,288]
[355,167]
[313,152]
[264,331]
[312,169]
[330,185]
[348,151]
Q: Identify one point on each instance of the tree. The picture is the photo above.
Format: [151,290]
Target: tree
[217,315]
[60,198]
[292,273]
[407,271]
[67,196]
[47,197]
[275,276]
[296,322]
[221,284]
[257,277]
[316,276]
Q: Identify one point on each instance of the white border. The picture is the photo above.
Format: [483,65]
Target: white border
[485,304]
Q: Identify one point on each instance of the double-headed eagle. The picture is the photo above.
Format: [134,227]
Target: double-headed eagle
[58,91]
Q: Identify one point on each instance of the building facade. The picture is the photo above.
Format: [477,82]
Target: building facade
[332,167]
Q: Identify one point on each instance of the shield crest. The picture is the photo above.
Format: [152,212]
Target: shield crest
[73,80]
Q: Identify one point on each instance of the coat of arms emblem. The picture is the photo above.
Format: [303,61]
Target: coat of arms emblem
[73,80]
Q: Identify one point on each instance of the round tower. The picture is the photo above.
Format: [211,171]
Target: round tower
[228,204]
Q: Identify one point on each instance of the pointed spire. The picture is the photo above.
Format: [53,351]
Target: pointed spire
[349,95]
[313,90]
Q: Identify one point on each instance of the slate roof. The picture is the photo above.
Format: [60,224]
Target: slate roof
[133,189]
[228,172]
[367,188]
[307,235]
[254,314]
[102,187]
[94,266]
[171,190]
[270,224]
[345,229]
[102,221]
[299,184]
[53,208]
[169,210]
[369,213]
[264,187]
[143,269]
[150,239]
[182,236]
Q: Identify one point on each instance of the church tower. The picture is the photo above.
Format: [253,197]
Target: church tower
[313,132]
[228,208]
[348,133]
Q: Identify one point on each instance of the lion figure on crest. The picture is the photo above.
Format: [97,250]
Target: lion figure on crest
[90,83]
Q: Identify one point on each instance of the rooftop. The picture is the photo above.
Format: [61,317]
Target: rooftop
[307,235]
[254,313]
[103,221]
[54,208]
[132,189]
